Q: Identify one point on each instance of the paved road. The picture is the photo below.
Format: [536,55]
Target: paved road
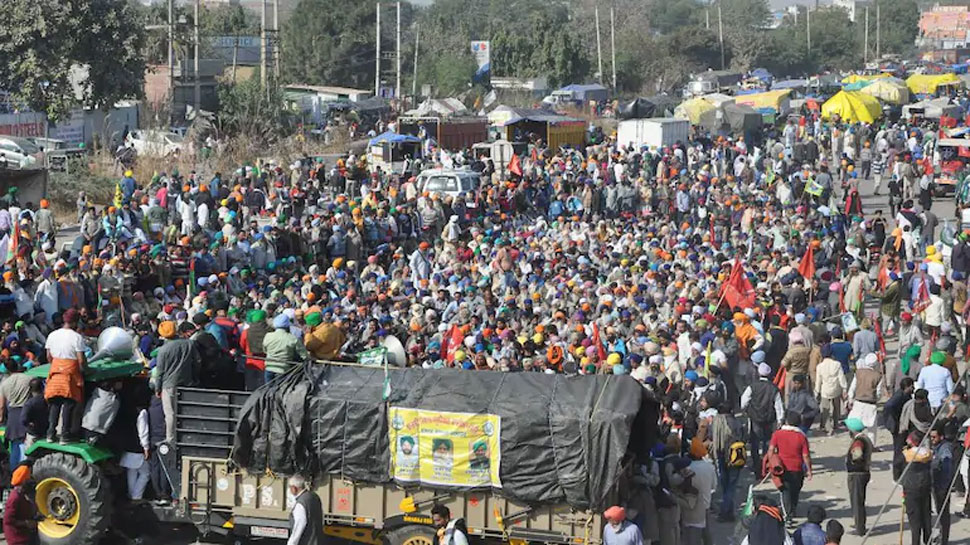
[828,488]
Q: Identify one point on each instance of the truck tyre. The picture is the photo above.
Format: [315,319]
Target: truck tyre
[411,535]
[74,498]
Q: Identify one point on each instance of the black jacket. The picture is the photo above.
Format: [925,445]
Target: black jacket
[892,410]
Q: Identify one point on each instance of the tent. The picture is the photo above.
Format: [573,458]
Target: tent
[731,118]
[858,85]
[778,101]
[586,93]
[790,84]
[855,78]
[393,138]
[852,107]
[891,90]
[693,109]
[642,107]
[927,84]
[933,109]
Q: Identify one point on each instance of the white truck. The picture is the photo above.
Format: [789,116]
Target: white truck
[654,133]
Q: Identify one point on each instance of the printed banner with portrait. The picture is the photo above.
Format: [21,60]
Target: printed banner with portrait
[445,448]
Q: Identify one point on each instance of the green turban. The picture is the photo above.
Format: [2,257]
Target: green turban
[256,316]
[911,354]
[937,358]
[313,319]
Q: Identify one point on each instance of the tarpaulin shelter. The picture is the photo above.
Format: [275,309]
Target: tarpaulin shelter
[933,109]
[644,107]
[852,107]
[393,138]
[929,84]
[559,439]
[890,90]
[587,92]
[693,109]
[731,118]
[857,85]
[855,78]
[790,84]
[762,74]
[778,101]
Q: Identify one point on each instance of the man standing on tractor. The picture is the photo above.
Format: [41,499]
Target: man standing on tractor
[65,380]
[177,364]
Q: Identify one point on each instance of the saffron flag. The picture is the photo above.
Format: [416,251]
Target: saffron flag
[515,166]
[922,296]
[600,349]
[738,291]
[807,266]
[713,240]
[452,343]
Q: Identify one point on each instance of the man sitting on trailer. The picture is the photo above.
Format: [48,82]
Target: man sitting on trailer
[450,531]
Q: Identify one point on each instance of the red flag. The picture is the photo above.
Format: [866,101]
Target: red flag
[738,291]
[713,240]
[807,266]
[922,297]
[600,349]
[515,167]
[451,344]
[882,341]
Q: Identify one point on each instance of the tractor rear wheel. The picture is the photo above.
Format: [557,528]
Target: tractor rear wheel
[74,498]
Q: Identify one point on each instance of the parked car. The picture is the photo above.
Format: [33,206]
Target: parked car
[19,154]
[448,182]
[155,142]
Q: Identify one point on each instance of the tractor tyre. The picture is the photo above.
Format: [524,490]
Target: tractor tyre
[413,534]
[75,499]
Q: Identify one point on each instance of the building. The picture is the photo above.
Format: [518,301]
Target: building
[945,27]
[538,86]
[855,8]
[159,87]
[328,92]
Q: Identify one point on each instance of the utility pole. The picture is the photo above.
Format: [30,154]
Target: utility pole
[808,28]
[397,54]
[262,46]
[171,57]
[599,51]
[277,53]
[865,52]
[235,57]
[414,78]
[707,19]
[720,34]
[613,46]
[377,61]
[878,42]
[197,96]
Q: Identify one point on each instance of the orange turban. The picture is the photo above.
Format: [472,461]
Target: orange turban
[20,476]
[615,514]
[167,329]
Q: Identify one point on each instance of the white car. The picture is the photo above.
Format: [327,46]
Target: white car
[155,142]
[19,154]
[449,182]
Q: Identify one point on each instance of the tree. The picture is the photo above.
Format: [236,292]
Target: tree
[247,108]
[899,25]
[744,24]
[538,45]
[451,73]
[228,20]
[43,43]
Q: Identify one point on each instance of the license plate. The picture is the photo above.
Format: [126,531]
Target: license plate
[269,531]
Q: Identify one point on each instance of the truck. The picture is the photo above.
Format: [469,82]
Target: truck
[653,132]
[712,81]
[79,485]
[451,133]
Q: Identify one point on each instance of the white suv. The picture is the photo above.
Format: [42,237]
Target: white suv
[155,142]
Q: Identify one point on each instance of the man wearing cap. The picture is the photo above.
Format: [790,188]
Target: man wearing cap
[20,511]
[177,364]
[65,379]
[865,392]
[324,341]
[936,380]
[858,464]
[283,350]
[620,531]
[762,403]
[306,518]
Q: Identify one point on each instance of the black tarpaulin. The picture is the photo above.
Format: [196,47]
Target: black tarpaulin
[563,439]
[644,107]
[731,118]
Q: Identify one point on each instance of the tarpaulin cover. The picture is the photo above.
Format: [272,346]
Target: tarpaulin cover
[732,118]
[926,84]
[891,90]
[644,107]
[852,107]
[562,438]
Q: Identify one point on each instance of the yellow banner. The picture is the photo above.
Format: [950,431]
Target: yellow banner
[445,448]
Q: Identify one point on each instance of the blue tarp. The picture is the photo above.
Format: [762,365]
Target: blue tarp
[959,68]
[761,74]
[394,138]
[789,84]
[584,92]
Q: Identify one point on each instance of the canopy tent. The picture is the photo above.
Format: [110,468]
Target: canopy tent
[933,109]
[588,92]
[435,107]
[778,101]
[718,98]
[731,118]
[928,84]
[855,78]
[641,107]
[891,90]
[852,107]
[393,138]
[693,109]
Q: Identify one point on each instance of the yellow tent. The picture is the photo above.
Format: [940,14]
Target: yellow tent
[777,100]
[852,107]
[693,109]
[926,84]
[852,78]
[891,90]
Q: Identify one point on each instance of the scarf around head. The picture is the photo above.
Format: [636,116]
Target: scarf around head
[907,361]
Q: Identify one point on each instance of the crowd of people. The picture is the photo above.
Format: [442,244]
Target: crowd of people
[740,279]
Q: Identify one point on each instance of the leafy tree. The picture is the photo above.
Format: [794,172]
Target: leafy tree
[247,108]
[228,20]
[899,25]
[540,46]
[744,24]
[42,41]
[451,73]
